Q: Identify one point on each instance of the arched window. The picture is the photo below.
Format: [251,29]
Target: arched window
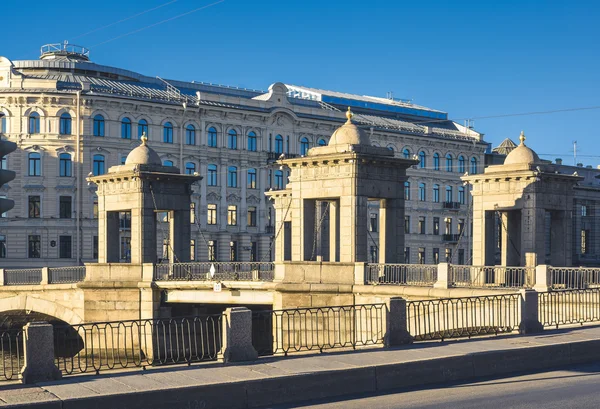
[391,148]
[406,190]
[142,128]
[461,164]
[190,168]
[252,141]
[125,128]
[64,165]
[278,179]
[212,137]
[422,194]
[35,164]
[167,162]
[168,133]
[473,166]
[279,144]
[461,195]
[212,175]
[98,165]
[65,124]
[322,142]
[304,145]
[34,122]
[448,194]
[436,193]
[406,153]
[3,163]
[436,161]
[232,139]
[190,135]
[448,163]
[3,124]
[422,160]
[232,180]
[251,179]
[98,125]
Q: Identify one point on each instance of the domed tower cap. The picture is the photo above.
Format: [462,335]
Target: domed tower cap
[349,134]
[143,155]
[522,154]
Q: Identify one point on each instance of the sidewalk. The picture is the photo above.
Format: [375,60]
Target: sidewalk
[277,380]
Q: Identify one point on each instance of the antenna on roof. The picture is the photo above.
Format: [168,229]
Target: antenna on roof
[574,153]
[390,95]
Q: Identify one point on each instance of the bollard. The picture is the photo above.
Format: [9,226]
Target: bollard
[45,276]
[530,323]
[38,340]
[443,270]
[543,280]
[396,331]
[237,336]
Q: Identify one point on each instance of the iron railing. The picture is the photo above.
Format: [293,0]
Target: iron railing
[23,276]
[11,348]
[574,277]
[246,271]
[566,307]
[99,346]
[310,329]
[491,276]
[463,317]
[61,275]
[403,274]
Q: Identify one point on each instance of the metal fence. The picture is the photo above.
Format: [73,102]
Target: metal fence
[565,307]
[61,275]
[403,274]
[491,276]
[11,343]
[23,276]
[206,271]
[463,317]
[310,329]
[121,344]
[574,277]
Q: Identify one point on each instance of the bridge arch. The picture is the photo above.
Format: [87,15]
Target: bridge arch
[33,304]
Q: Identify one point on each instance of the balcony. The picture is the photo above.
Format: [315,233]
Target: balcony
[274,156]
[451,205]
[450,238]
[269,229]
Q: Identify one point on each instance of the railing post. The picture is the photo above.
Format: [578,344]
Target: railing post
[38,346]
[530,322]
[45,275]
[443,276]
[543,280]
[1,277]
[148,272]
[237,336]
[396,323]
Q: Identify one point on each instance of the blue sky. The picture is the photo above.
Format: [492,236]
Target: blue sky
[469,58]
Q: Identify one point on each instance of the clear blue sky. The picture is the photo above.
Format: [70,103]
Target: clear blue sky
[469,58]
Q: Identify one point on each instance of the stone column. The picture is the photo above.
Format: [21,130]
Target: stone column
[443,276]
[391,234]
[488,242]
[334,231]
[143,236]
[529,313]
[396,323]
[308,228]
[38,346]
[542,278]
[111,239]
[237,336]
[558,239]
[179,226]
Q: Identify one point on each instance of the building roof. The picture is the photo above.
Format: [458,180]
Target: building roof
[505,147]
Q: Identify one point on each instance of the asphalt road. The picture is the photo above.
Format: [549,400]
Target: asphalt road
[574,387]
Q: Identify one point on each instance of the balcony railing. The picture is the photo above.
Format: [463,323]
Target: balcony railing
[451,205]
[450,238]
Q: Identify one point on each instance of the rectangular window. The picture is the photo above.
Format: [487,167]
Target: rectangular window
[65,246]
[436,256]
[211,215]
[448,255]
[95,209]
[373,254]
[125,220]
[407,255]
[2,246]
[212,250]
[461,225]
[34,207]
[251,179]
[421,255]
[448,221]
[65,207]
[436,194]
[251,216]
[212,175]
[422,221]
[407,224]
[232,215]
[35,246]
[584,211]
[254,251]
[585,234]
[232,177]
[461,257]
[166,253]
[126,248]
[233,253]
[373,222]
[436,225]
[95,247]
[192,250]
[192,213]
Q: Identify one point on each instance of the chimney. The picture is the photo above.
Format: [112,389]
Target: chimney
[558,161]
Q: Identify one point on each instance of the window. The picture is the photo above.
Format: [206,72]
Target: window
[421,255]
[373,254]
[448,163]
[125,220]
[98,165]
[167,162]
[2,246]
[232,139]
[34,207]
[192,250]
[212,137]
[35,246]
[279,144]
[448,194]
[422,160]
[232,215]
[142,128]
[125,128]
[373,223]
[211,214]
[192,213]
[123,160]
[422,222]
[64,160]
[64,243]
[3,124]
[65,204]
[473,166]
[3,163]
[391,148]
[436,256]
[436,161]
[278,179]
[65,124]
[233,254]
[461,226]
[448,255]
[168,132]
[461,257]
[251,179]
[212,175]
[436,225]
[461,164]
[212,250]
[252,216]
[407,255]
[95,209]
[95,247]
[34,122]
[448,221]
[407,224]
[461,194]
[232,179]
[422,194]
[252,141]
[254,251]
[585,234]
[35,164]
[322,142]
[584,211]
[126,249]
[436,193]
[406,153]
[190,168]
[304,145]
[406,190]
[190,135]
[98,125]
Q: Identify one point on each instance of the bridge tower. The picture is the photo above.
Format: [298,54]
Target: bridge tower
[118,286]
[323,240]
